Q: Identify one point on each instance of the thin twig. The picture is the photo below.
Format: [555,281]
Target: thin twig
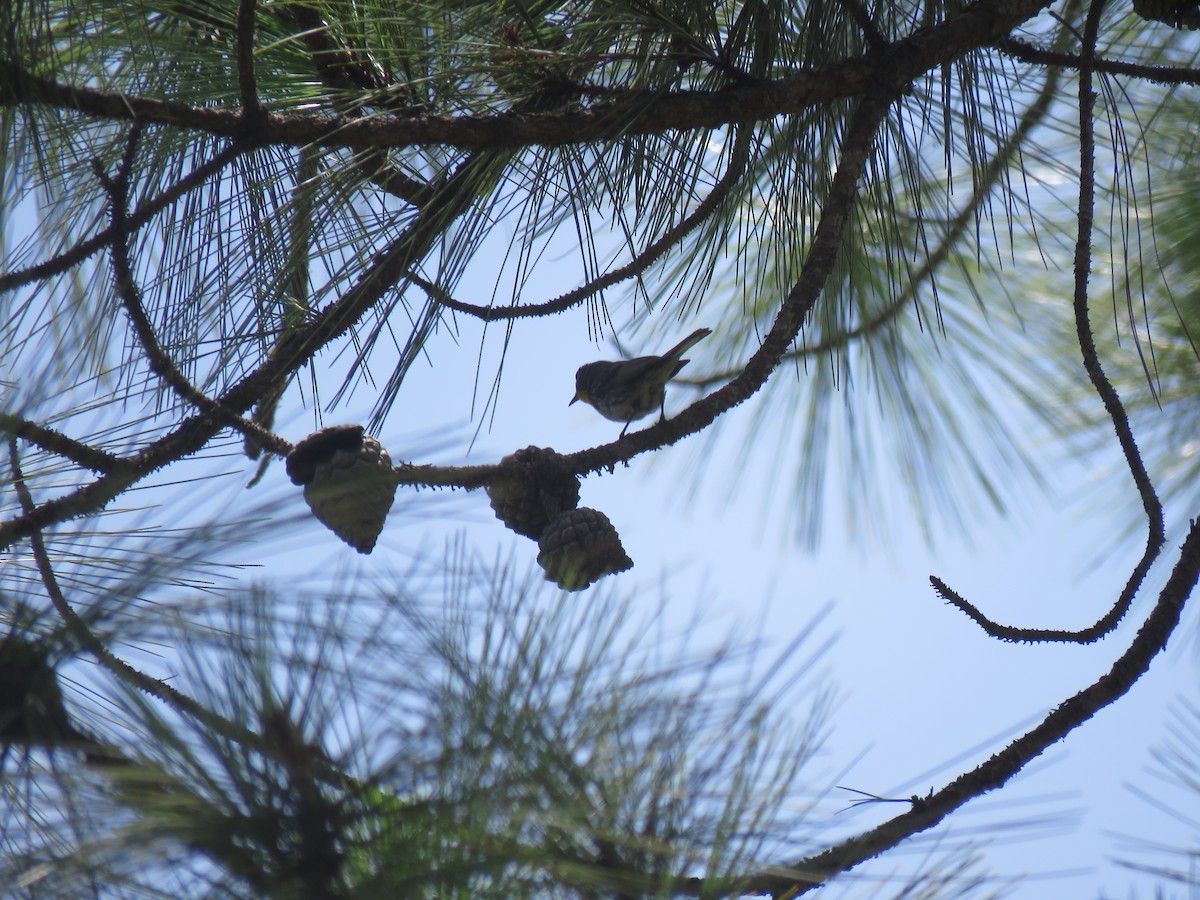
[135,220]
[631,269]
[56,442]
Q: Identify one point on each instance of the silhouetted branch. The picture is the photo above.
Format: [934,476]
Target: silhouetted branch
[321,767]
[1103,387]
[139,217]
[866,24]
[631,113]
[56,442]
[1070,714]
[87,639]
[247,83]
[117,187]
[631,269]
[1027,52]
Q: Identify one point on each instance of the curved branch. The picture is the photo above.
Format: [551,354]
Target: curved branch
[161,364]
[1112,402]
[928,811]
[139,217]
[631,269]
[822,256]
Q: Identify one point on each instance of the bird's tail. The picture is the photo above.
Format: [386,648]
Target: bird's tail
[687,343]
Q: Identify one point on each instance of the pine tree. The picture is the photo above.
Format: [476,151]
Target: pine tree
[237,231]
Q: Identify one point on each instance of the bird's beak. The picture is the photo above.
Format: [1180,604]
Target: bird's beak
[578,396]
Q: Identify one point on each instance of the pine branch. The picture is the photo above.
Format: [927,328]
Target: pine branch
[992,172]
[117,187]
[135,220]
[247,83]
[928,811]
[635,267]
[93,458]
[1026,52]
[630,113]
[87,639]
[822,256]
[1104,389]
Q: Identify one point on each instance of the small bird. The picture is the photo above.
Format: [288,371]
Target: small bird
[631,389]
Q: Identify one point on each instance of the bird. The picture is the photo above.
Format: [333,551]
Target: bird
[631,389]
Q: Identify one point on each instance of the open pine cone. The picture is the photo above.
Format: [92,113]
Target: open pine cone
[532,487]
[579,547]
[348,482]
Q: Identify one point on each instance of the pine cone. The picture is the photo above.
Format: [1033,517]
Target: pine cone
[579,547]
[532,487]
[348,482]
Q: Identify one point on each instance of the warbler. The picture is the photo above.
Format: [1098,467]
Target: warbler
[631,389]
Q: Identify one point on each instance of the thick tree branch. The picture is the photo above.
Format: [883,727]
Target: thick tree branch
[633,113]
[866,24]
[247,82]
